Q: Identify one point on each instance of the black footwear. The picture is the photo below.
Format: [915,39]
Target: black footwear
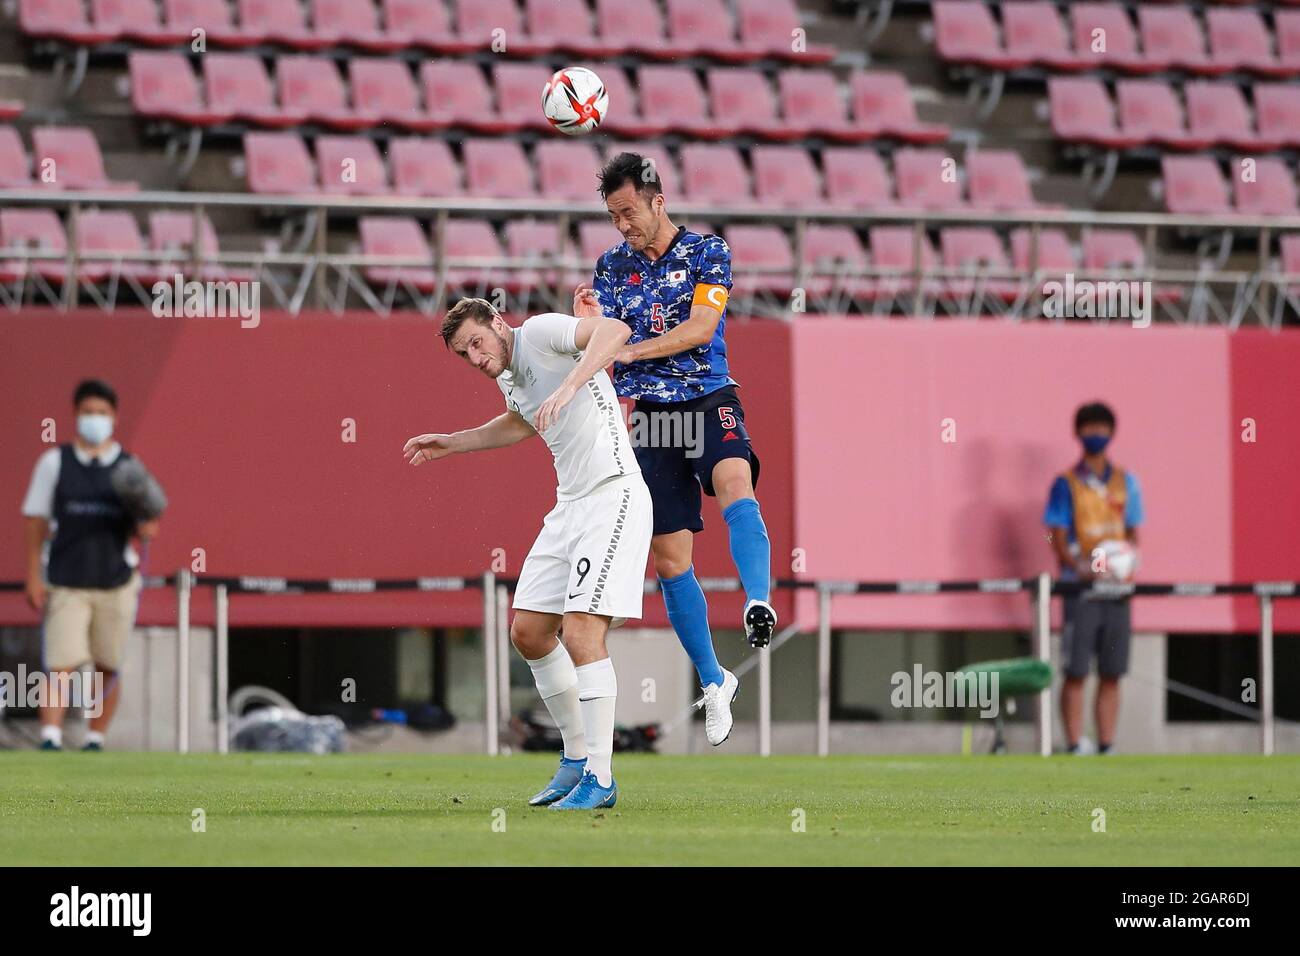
[760,622]
[50,745]
[91,748]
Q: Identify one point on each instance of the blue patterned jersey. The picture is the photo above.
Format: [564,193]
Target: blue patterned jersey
[653,297]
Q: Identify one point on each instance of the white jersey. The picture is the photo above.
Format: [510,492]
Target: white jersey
[589,439]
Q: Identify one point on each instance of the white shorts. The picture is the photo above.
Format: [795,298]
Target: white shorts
[591,554]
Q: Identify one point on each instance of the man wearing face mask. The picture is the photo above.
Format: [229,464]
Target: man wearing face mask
[90,600]
[1093,503]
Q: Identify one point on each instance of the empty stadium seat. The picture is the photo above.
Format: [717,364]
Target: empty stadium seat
[595,238]
[893,248]
[1054,255]
[1239,40]
[835,247]
[485,22]
[1149,110]
[32,230]
[1194,185]
[1277,112]
[282,21]
[927,179]
[657,153]
[1033,32]
[214,17]
[976,250]
[1286,26]
[814,97]
[164,86]
[355,22]
[15,168]
[566,169]
[111,232]
[765,248]
[238,85]
[1218,111]
[1109,250]
[744,96]
[457,94]
[385,89]
[61,20]
[1173,35]
[705,28]
[11,109]
[1081,111]
[882,103]
[497,169]
[424,167]
[313,86]
[856,179]
[625,117]
[77,163]
[672,96]
[1271,192]
[785,177]
[567,25]
[1116,45]
[136,20]
[472,239]
[278,163]
[350,166]
[714,174]
[769,26]
[518,93]
[423,24]
[967,33]
[996,179]
[635,24]
[397,236]
[171,237]
[540,241]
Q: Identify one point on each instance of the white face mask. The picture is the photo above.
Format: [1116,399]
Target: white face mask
[95,429]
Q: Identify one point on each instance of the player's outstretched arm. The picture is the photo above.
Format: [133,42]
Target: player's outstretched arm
[599,339]
[506,429]
[696,331]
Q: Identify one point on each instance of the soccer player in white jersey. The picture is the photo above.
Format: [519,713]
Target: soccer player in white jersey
[588,564]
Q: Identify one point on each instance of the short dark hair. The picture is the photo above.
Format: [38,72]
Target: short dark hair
[94,388]
[1092,414]
[632,168]
[479,310]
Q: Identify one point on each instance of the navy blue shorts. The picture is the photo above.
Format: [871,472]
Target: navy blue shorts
[677,445]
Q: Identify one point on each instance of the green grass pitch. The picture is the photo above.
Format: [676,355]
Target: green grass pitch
[290,809]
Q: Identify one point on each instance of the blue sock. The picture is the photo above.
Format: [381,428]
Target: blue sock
[750,548]
[689,615]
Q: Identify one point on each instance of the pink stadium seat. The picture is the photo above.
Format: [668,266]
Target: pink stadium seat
[1081,111]
[714,174]
[1194,185]
[1272,193]
[672,96]
[483,22]
[136,20]
[769,26]
[384,88]
[658,154]
[397,236]
[1118,38]
[423,24]
[856,179]
[1109,250]
[282,21]
[11,109]
[1149,110]
[472,239]
[705,28]
[927,179]
[278,163]
[882,103]
[966,33]
[213,17]
[164,86]
[518,93]
[350,166]
[15,168]
[32,230]
[566,169]
[111,232]
[836,247]
[540,241]
[745,98]
[1033,32]
[171,237]
[976,250]
[785,177]
[238,85]
[1286,24]
[457,94]
[355,22]
[1219,111]
[497,169]
[1277,112]
[625,117]
[61,20]
[996,179]
[1055,254]
[1239,40]
[424,167]
[760,247]
[635,24]
[1290,249]
[893,248]
[1173,34]
[595,238]
[77,162]
[814,97]
[313,86]
[566,25]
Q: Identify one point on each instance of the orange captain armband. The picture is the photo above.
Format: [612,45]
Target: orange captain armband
[714,296]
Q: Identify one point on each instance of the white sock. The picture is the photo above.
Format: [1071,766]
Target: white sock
[598,689]
[52,732]
[94,737]
[557,682]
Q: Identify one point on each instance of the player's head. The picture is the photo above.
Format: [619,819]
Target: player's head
[475,331]
[634,196]
[1094,425]
[95,404]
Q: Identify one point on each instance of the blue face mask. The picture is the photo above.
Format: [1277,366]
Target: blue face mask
[95,429]
[1095,444]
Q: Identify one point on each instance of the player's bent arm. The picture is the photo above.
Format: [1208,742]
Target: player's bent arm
[600,339]
[691,334]
[508,428]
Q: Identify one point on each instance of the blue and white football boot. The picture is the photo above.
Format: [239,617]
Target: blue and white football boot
[589,795]
[565,779]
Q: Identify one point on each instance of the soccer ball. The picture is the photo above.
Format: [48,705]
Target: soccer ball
[574,101]
[1121,559]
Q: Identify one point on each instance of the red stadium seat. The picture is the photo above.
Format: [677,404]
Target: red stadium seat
[996,179]
[61,20]
[635,24]
[1081,111]
[765,248]
[472,239]
[856,179]
[927,179]
[975,250]
[1173,34]
[497,169]
[566,169]
[1290,248]
[282,21]
[714,174]
[483,23]
[424,167]
[350,166]
[76,160]
[1055,255]
[1277,112]
[769,26]
[835,247]
[423,24]
[882,103]
[1104,37]
[355,22]
[625,117]
[672,96]
[278,163]
[1194,186]
[238,85]
[32,230]
[657,153]
[397,236]
[385,88]
[313,86]
[785,177]
[966,33]
[1219,111]
[11,109]
[1239,40]
[136,20]
[213,17]
[1149,110]
[519,92]
[164,86]
[745,98]
[566,25]
[456,94]
[705,28]
[15,168]
[814,97]
[1033,32]
[171,237]
[1272,191]
[111,232]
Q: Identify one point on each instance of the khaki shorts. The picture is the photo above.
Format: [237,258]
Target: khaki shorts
[89,624]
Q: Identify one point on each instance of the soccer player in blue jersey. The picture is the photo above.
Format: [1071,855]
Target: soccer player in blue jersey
[670,286]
